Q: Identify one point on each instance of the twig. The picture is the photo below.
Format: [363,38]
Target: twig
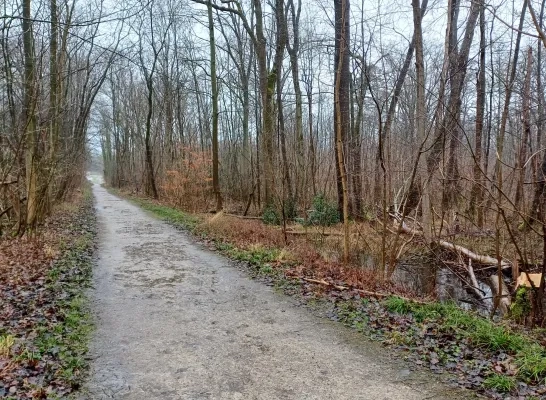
[362,291]
[8,183]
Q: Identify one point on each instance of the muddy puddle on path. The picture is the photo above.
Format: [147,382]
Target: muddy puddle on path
[176,321]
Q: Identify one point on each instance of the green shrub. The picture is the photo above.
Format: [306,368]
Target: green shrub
[255,255]
[270,216]
[324,213]
[495,337]
[290,208]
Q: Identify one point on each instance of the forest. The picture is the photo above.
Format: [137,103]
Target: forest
[400,135]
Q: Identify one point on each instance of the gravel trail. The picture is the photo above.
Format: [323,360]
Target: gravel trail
[177,321]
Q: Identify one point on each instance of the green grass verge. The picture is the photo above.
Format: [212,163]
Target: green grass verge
[171,215]
[529,355]
[69,335]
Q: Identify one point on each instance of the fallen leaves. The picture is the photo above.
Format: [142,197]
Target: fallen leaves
[40,278]
[429,344]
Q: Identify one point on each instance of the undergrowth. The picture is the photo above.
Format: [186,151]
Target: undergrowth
[528,355]
[47,353]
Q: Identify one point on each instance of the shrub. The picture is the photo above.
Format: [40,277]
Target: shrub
[270,216]
[398,305]
[324,213]
[290,208]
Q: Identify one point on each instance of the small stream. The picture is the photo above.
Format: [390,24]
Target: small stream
[422,278]
[422,275]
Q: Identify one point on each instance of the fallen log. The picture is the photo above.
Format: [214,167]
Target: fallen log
[242,216]
[493,281]
[480,259]
[315,232]
[475,286]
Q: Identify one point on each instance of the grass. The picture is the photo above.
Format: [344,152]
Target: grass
[530,357]
[255,255]
[6,342]
[67,338]
[531,362]
[500,383]
[350,315]
[52,343]
[168,214]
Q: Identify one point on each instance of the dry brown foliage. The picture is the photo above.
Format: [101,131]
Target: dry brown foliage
[309,258]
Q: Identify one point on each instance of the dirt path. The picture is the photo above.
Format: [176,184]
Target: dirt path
[175,321]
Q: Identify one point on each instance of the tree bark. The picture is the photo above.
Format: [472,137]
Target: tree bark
[387,127]
[277,71]
[29,118]
[293,52]
[342,111]
[526,119]
[477,193]
[214,84]
[537,207]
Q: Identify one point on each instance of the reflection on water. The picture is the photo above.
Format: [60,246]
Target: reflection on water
[426,277]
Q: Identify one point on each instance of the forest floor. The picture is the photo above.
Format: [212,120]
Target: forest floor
[45,324]
[175,320]
[499,360]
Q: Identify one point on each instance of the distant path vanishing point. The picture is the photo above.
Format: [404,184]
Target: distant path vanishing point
[177,321]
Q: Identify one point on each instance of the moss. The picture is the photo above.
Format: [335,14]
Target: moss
[521,307]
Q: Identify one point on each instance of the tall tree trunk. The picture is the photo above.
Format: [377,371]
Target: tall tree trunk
[356,148]
[29,118]
[293,52]
[267,90]
[477,194]
[277,71]
[151,189]
[536,212]
[500,152]
[342,109]
[387,127]
[449,125]
[53,94]
[214,84]
[420,111]
[526,119]
[312,151]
